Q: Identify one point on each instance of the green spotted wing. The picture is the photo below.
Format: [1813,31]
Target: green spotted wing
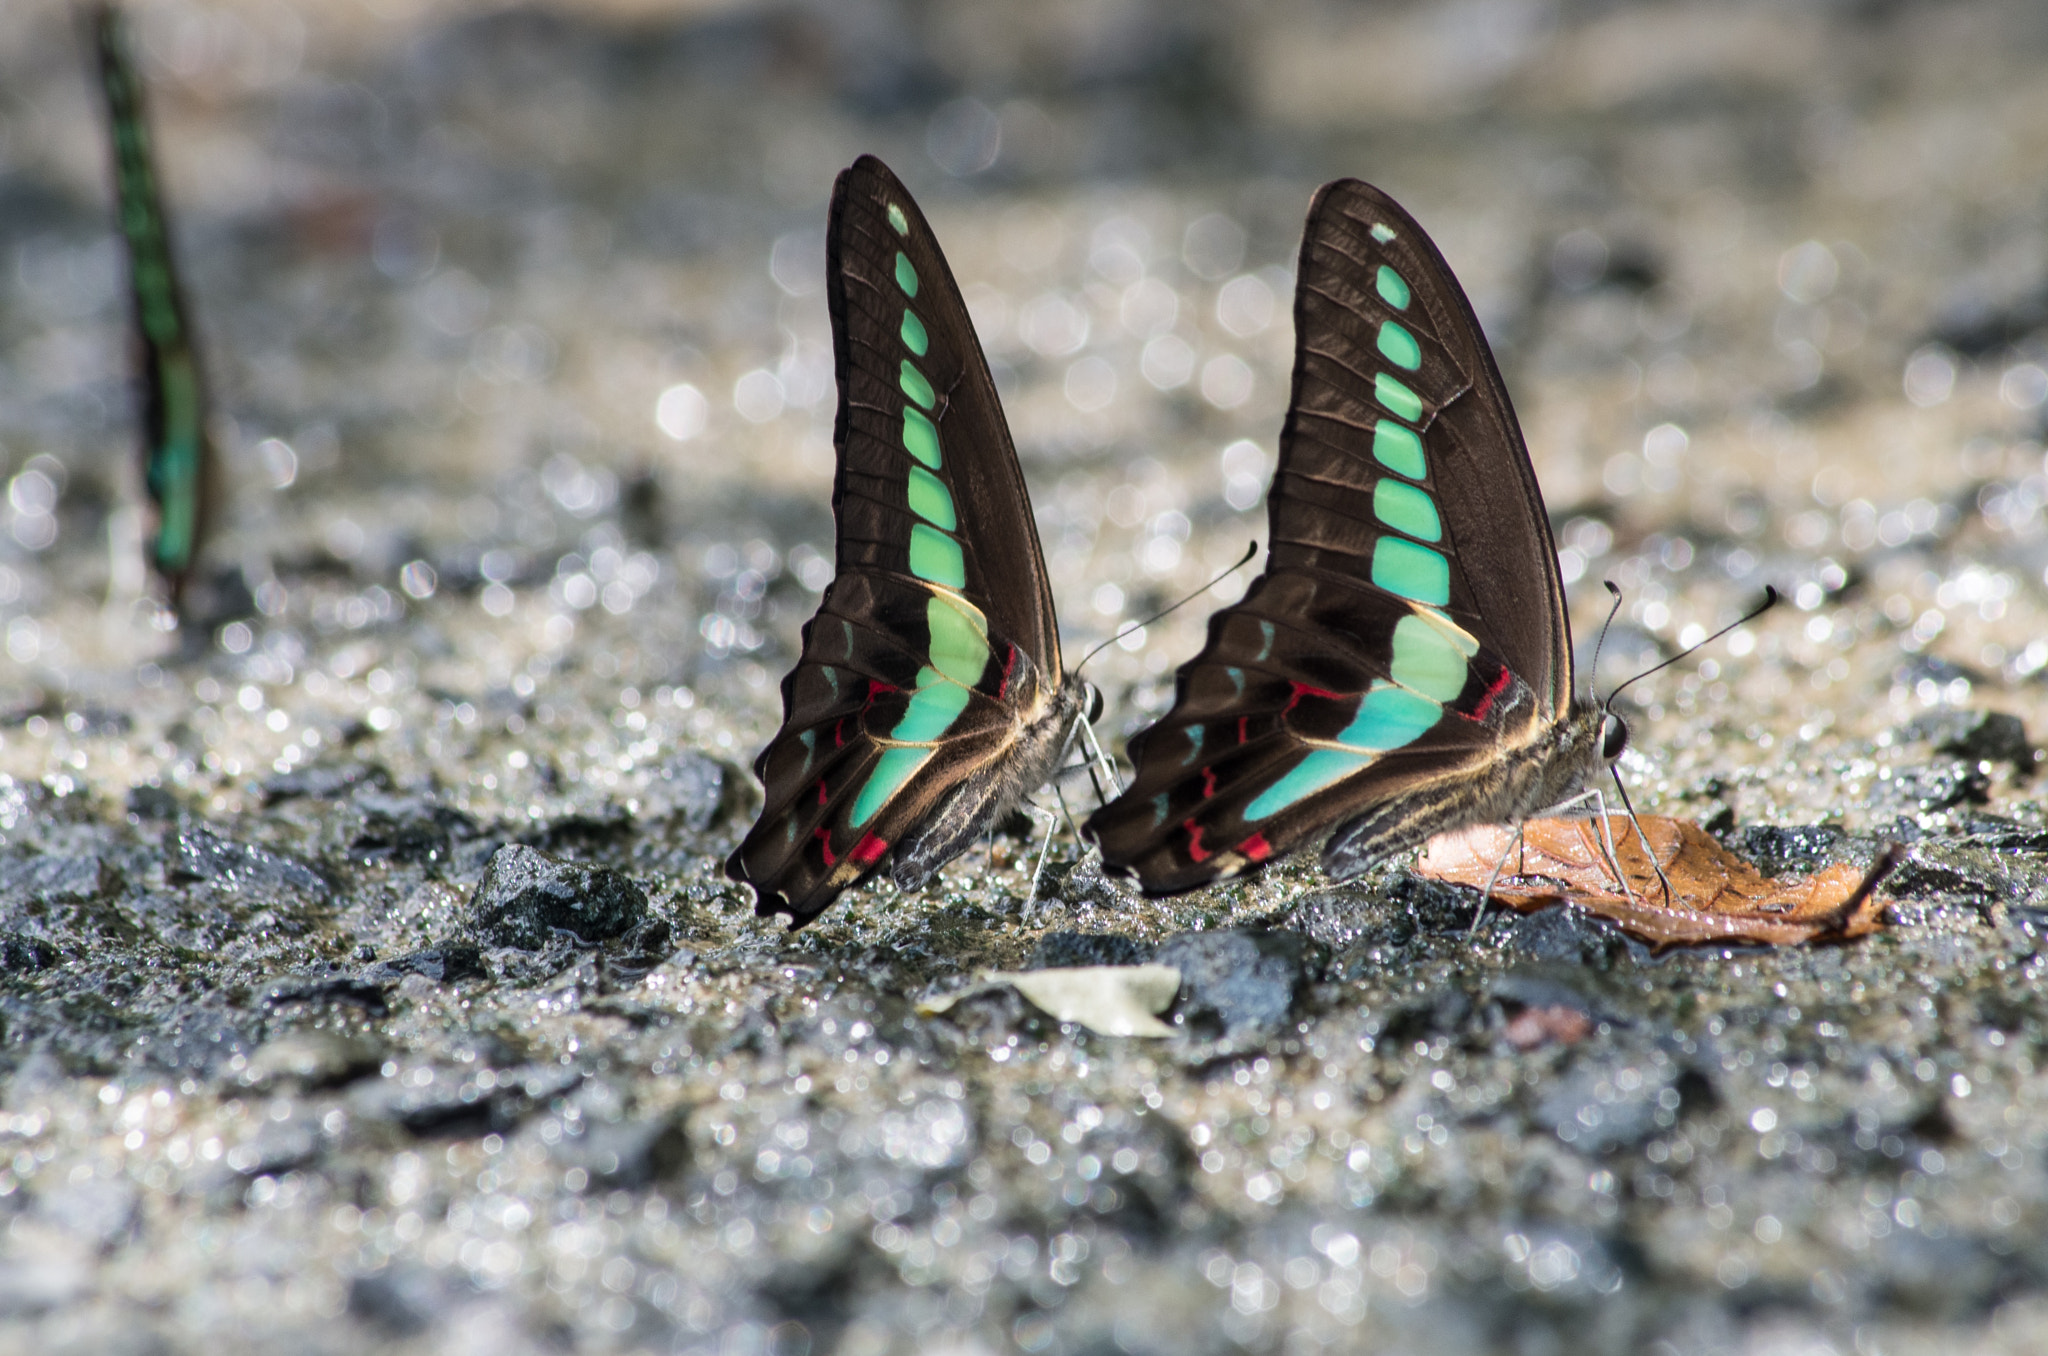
[177,454]
[930,693]
[1401,660]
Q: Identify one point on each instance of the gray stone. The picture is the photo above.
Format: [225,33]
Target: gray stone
[1239,983]
[197,853]
[1056,950]
[1980,736]
[527,896]
[458,1100]
[98,1210]
[692,791]
[625,1153]
[59,879]
[1611,1099]
[311,1059]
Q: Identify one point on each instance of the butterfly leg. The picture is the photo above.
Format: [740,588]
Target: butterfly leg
[1492,877]
[1052,822]
[1097,758]
[1655,865]
[1599,815]
[1607,842]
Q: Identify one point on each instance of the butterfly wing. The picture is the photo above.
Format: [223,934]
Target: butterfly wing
[178,459]
[935,651]
[1410,621]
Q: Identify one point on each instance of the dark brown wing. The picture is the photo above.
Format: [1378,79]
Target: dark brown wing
[936,639]
[1410,623]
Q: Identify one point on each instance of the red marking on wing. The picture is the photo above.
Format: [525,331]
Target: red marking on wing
[1486,701]
[1208,781]
[824,837]
[822,798]
[1195,852]
[1304,690]
[839,733]
[868,851]
[1009,667]
[1256,847]
[1242,723]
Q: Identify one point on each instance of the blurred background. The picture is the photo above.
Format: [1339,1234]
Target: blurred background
[515,324]
[529,299]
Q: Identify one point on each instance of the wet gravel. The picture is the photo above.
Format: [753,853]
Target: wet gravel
[367,978]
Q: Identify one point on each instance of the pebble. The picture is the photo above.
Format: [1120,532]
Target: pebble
[196,853]
[1239,983]
[527,896]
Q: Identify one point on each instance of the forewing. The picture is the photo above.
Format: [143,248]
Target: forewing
[1400,439]
[917,406]
[1410,620]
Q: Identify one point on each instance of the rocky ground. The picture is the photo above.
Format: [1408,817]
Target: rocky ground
[370,982]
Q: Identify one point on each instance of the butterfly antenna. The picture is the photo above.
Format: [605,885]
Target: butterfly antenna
[1249,552]
[1770,601]
[1606,626]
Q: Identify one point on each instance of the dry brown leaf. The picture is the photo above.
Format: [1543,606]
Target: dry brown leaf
[1717,896]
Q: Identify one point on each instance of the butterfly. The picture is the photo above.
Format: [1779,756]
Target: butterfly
[930,697]
[1403,666]
[177,452]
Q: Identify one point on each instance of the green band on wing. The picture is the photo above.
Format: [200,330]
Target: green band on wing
[935,557]
[957,637]
[1394,395]
[1426,661]
[174,465]
[933,708]
[1322,768]
[914,337]
[896,219]
[892,770]
[1399,346]
[1389,718]
[906,276]
[1398,449]
[915,385]
[1404,508]
[1400,566]
[1382,233]
[921,437]
[1392,287]
[933,502]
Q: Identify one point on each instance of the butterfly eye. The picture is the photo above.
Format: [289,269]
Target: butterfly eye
[1093,698]
[1613,737]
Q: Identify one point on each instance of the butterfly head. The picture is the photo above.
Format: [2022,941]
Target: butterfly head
[1091,702]
[1613,736]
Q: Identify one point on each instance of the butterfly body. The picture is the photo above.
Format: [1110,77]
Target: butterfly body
[930,697]
[1403,666]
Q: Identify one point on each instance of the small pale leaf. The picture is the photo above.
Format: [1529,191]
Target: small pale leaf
[1111,1000]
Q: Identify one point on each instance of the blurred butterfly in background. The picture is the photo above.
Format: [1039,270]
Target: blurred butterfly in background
[177,452]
